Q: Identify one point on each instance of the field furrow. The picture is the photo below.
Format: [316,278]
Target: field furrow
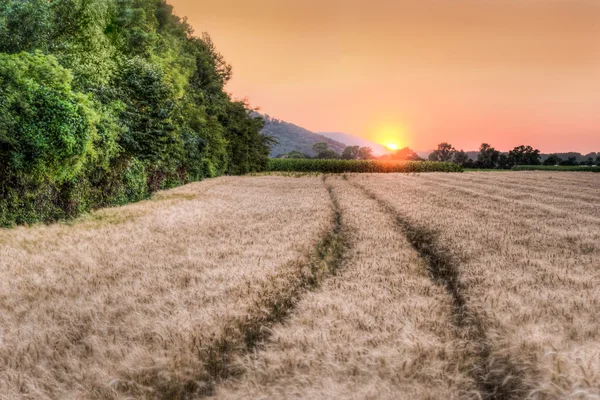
[582,205]
[544,183]
[530,273]
[130,300]
[583,183]
[380,328]
[551,205]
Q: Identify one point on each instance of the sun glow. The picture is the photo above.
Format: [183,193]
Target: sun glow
[391,134]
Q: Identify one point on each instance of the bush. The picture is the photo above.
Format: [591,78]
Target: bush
[124,181]
[103,102]
[46,129]
[28,202]
[359,166]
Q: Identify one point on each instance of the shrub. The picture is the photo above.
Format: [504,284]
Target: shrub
[125,181]
[46,129]
[103,102]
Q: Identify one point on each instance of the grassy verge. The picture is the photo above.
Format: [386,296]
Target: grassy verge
[575,168]
[358,166]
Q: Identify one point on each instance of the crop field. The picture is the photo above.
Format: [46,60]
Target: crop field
[362,286]
[358,166]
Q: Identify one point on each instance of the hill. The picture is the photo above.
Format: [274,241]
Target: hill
[292,137]
[352,140]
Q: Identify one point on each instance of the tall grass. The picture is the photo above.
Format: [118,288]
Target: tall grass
[574,168]
[359,166]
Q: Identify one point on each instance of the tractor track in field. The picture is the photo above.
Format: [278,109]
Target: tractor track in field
[496,377]
[278,298]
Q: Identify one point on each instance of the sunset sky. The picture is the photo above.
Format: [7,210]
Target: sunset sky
[417,72]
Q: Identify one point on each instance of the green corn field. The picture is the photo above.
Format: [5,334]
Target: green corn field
[359,166]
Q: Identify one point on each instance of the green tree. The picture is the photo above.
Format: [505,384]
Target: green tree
[320,147]
[524,155]
[324,152]
[25,25]
[504,162]
[570,162]
[589,162]
[365,153]
[444,153]
[248,149]
[150,131]
[488,157]
[46,128]
[144,100]
[553,159]
[351,153]
[461,158]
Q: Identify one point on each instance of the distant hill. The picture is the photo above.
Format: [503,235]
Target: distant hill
[293,137]
[352,140]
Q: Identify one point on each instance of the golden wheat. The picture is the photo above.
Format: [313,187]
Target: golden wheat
[123,301]
[477,285]
[379,329]
[529,251]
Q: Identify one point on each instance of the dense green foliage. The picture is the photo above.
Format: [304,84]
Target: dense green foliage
[359,166]
[103,102]
[46,128]
[556,168]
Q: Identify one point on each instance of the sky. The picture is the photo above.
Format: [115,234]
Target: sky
[417,72]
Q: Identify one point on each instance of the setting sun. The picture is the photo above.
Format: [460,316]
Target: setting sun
[389,132]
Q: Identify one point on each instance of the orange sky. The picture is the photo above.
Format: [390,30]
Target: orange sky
[417,72]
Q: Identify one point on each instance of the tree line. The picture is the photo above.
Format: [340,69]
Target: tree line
[324,152]
[490,158]
[487,158]
[104,101]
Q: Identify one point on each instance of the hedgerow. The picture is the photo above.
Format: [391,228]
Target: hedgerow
[103,102]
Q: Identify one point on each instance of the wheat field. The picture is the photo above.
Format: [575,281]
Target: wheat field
[475,285]
[527,250]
